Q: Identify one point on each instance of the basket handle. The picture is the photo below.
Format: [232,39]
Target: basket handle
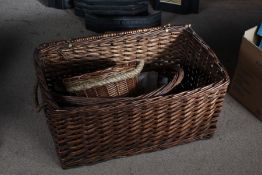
[38,106]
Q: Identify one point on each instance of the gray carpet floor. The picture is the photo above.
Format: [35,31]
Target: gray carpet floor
[26,145]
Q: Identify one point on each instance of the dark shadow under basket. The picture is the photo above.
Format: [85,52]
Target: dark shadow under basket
[93,133]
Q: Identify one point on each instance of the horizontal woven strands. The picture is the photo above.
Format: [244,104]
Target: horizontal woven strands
[85,135]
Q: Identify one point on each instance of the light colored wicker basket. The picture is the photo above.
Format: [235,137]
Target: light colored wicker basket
[119,80]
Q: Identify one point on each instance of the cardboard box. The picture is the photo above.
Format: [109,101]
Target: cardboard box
[246,85]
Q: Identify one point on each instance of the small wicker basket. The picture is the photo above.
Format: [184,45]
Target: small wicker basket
[119,80]
[177,74]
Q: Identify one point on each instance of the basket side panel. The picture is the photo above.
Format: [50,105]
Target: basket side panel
[119,129]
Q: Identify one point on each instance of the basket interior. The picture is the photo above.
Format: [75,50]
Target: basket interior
[156,47]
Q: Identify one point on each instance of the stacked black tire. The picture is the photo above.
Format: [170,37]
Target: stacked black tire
[114,15]
[111,7]
[61,4]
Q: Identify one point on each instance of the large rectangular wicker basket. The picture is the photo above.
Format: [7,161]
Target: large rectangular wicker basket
[85,135]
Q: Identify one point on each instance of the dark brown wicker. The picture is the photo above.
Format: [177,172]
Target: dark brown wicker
[98,132]
[118,80]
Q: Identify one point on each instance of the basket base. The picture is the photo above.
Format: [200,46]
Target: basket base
[137,151]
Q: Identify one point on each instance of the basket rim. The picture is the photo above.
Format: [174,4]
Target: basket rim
[199,92]
[70,42]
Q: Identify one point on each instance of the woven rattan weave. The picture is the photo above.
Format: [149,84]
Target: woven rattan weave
[96,132]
